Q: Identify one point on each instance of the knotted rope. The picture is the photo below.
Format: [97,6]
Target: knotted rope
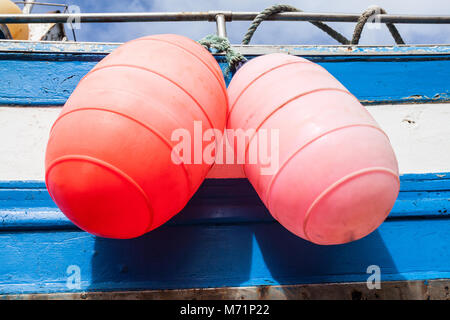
[365,16]
[369,12]
[266,13]
[236,59]
[221,44]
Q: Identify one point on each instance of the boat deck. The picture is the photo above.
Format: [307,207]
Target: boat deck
[225,243]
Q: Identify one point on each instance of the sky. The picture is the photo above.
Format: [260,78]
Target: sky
[269,32]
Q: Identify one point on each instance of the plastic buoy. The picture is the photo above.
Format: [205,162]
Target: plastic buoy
[336,175]
[109,163]
[18,31]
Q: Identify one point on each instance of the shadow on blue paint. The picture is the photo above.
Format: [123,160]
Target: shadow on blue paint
[230,253]
[292,260]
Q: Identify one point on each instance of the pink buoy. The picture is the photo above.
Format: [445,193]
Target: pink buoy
[333,175]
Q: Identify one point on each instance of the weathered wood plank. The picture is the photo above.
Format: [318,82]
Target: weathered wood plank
[228,240]
[420,136]
[107,47]
[46,74]
[218,255]
[27,205]
[390,290]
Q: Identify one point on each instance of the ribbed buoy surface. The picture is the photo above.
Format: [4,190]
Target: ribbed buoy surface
[108,161]
[336,177]
[19,31]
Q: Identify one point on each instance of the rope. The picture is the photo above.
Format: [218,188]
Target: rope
[234,59]
[369,12]
[266,13]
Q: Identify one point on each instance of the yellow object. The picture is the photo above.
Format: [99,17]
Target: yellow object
[18,31]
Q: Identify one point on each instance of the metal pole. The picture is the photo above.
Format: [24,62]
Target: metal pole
[28,6]
[208,16]
[344,17]
[41,3]
[221,26]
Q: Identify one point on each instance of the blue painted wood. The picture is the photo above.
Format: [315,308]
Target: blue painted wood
[27,204]
[224,237]
[101,47]
[48,77]
[192,256]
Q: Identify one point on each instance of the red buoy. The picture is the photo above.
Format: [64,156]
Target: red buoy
[109,163]
[336,176]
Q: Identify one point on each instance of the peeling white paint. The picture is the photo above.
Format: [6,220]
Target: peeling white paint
[23,138]
[419,133]
[301,50]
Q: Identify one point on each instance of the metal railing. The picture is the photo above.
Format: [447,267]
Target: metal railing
[219,17]
[212,16]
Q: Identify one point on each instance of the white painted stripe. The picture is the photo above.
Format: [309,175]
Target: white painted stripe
[23,139]
[419,133]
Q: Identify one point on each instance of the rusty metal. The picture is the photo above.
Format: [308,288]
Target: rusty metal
[210,16]
[390,290]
